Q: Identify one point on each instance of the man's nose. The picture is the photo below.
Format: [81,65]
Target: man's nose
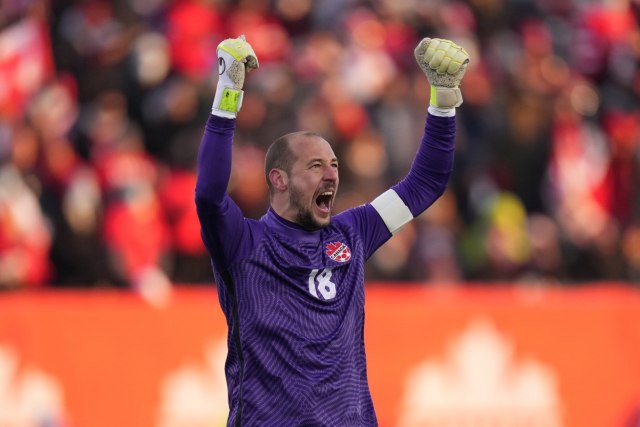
[330,173]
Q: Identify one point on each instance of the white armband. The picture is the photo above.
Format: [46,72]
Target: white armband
[392,210]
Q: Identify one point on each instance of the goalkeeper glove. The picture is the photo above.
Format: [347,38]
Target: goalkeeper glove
[234,57]
[444,63]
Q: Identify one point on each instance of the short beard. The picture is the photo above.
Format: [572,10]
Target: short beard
[306,221]
[304,217]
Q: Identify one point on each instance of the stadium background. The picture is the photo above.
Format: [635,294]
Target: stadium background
[532,255]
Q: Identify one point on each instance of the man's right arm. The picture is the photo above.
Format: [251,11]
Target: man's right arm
[223,226]
[221,220]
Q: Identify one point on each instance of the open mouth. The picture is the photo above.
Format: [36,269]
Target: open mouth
[323,201]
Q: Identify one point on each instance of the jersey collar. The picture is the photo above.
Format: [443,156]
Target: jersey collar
[289,229]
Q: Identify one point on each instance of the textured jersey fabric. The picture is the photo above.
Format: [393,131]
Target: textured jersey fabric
[294,299]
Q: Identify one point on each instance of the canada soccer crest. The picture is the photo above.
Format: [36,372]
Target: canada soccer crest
[338,251]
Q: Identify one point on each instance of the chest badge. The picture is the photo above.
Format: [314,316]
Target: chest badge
[338,251]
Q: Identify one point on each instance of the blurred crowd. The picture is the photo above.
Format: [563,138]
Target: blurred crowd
[103,104]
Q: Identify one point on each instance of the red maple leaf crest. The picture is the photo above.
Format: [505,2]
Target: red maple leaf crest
[338,251]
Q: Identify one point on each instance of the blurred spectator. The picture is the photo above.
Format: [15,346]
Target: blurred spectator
[435,256]
[193,31]
[191,261]
[70,195]
[102,105]
[24,236]
[135,229]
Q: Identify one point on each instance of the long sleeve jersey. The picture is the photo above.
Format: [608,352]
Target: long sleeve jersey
[294,299]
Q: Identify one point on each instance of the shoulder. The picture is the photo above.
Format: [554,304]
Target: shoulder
[356,213]
[359,218]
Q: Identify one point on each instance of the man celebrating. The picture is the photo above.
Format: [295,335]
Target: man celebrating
[291,284]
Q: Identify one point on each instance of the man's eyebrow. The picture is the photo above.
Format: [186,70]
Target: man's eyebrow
[321,160]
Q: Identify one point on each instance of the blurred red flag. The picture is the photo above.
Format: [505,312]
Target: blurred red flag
[25,64]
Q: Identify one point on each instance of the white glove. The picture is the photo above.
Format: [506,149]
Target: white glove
[444,63]
[235,56]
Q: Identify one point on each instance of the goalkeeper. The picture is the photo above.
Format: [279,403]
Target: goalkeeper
[291,284]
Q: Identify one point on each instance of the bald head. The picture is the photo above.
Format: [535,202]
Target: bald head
[280,154]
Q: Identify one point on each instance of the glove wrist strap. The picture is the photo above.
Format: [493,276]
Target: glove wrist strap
[445,97]
[441,112]
[227,102]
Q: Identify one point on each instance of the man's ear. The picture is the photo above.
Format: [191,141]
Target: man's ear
[279,179]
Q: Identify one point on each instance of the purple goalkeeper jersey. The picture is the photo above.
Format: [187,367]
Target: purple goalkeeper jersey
[294,299]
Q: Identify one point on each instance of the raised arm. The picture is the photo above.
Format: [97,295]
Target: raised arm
[444,63]
[223,226]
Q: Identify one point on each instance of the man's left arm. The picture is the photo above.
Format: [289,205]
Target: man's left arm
[444,63]
[427,179]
